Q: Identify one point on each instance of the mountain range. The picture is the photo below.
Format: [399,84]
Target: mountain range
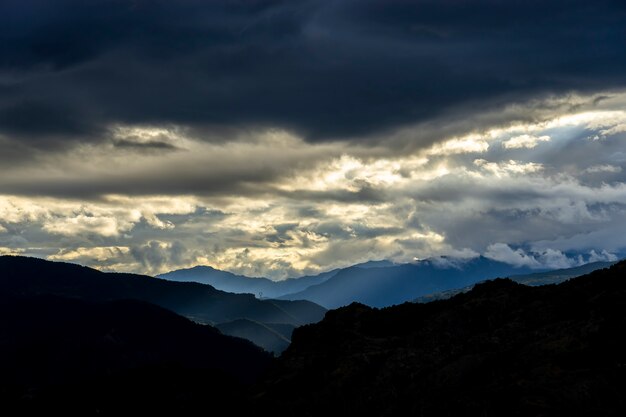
[382,283]
[500,349]
[75,342]
[390,285]
[261,287]
[377,284]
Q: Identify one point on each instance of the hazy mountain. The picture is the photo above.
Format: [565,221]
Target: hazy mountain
[261,334]
[389,285]
[274,337]
[109,358]
[500,349]
[261,287]
[538,278]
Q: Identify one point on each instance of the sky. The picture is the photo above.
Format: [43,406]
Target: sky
[282,138]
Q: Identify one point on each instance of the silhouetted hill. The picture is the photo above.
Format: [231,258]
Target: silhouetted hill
[79,357]
[227,281]
[385,286]
[203,303]
[538,278]
[261,334]
[502,349]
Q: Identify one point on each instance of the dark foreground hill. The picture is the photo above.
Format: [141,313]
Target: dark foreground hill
[502,349]
[21,276]
[69,356]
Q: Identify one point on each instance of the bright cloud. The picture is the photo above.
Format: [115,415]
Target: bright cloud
[503,253]
[467,144]
[270,203]
[508,167]
[524,141]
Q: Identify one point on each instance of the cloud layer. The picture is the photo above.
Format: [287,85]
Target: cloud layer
[271,203]
[324,70]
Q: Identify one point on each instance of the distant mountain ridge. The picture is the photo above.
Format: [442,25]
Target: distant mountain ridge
[557,276]
[259,286]
[375,283]
[21,276]
[240,284]
[386,286]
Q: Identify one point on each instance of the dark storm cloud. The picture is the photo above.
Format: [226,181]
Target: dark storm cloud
[150,145]
[324,69]
[146,184]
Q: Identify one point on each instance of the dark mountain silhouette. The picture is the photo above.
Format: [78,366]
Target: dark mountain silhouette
[202,303]
[264,335]
[538,278]
[500,349]
[239,284]
[109,358]
[385,286]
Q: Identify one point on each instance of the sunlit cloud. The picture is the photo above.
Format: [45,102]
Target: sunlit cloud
[10,251]
[467,144]
[268,203]
[508,167]
[524,141]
